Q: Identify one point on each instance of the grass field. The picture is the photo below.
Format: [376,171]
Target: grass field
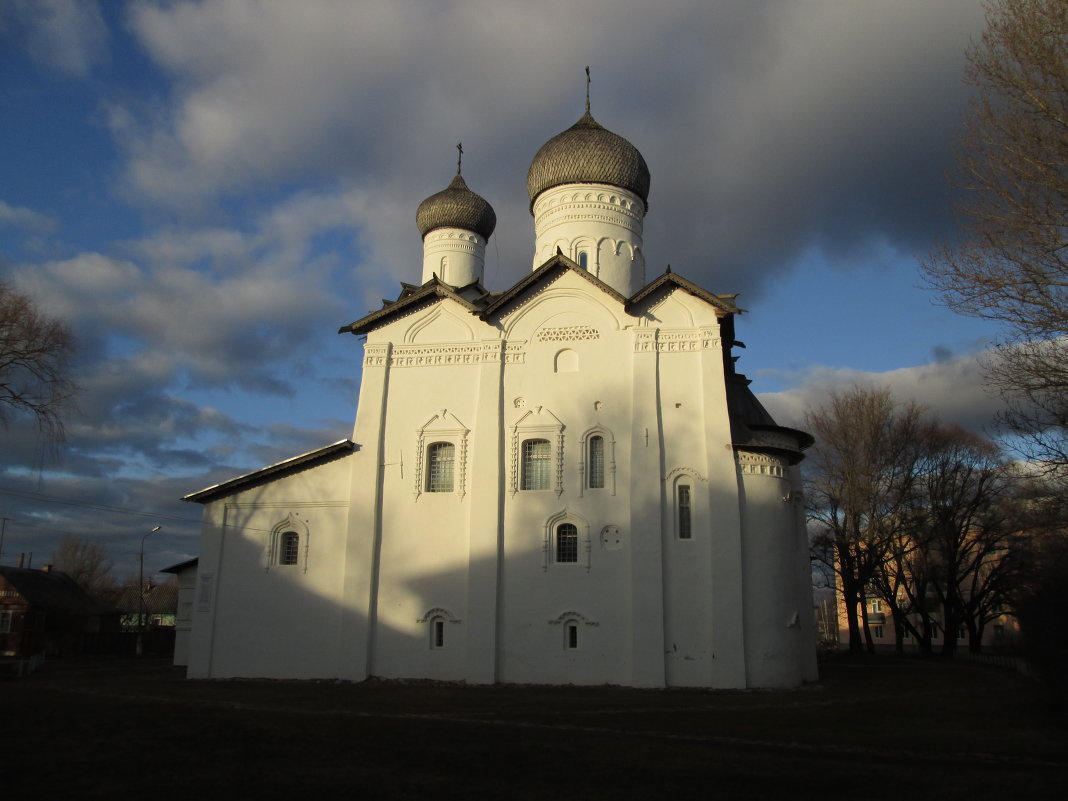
[871,729]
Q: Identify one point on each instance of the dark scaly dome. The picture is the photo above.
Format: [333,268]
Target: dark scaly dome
[456,207]
[588,153]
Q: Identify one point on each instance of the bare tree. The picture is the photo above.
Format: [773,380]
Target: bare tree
[34,353]
[960,534]
[858,482]
[1011,263]
[86,561]
[908,512]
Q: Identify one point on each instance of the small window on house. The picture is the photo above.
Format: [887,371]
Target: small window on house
[877,606]
[571,635]
[878,632]
[567,542]
[289,551]
[537,461]
[584,260]
[437,633]
[683,502]
[5,622]
[440,459]
[596,457]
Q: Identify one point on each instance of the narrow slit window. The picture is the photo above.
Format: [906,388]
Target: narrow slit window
[440,463]
[685,521]
[537,461]
[289,551]
[584,260]
[571,636]
[567,542]
[596,454]
[437,633]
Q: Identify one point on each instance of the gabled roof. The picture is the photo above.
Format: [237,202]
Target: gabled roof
[724,303]
[411,298]
[53,591]
[551,269]
[309,459]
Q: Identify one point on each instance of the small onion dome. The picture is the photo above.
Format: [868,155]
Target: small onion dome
[456,207]
[588,153]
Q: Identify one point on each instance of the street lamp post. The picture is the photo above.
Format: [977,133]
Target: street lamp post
[141,591]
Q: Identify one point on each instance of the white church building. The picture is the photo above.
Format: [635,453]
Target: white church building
[565,482]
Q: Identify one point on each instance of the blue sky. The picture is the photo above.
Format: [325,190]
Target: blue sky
[206,191]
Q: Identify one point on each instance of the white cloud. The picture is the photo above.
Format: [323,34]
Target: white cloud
[66,35]
[826,123]
[953,389]
[25,219]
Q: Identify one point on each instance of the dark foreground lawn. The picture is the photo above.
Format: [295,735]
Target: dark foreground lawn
[887,728]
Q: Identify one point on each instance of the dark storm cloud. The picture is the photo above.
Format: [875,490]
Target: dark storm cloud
[770,128]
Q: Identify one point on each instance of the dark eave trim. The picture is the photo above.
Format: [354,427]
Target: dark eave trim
[178,568]
[724,303]
[428,293]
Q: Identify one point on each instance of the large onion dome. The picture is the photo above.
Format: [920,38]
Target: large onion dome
[456,207]
[588,153]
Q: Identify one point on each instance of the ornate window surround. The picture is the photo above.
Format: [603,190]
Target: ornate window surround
[538,423]
[435,620]
[442,427]
[609,460]
[275,542]
[585,547]
[690,478]
[570,623]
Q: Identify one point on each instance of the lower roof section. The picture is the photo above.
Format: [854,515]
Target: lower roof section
[309,459]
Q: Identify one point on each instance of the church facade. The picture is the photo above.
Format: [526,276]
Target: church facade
[565,482]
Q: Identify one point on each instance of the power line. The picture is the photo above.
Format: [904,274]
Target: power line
[40,496]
